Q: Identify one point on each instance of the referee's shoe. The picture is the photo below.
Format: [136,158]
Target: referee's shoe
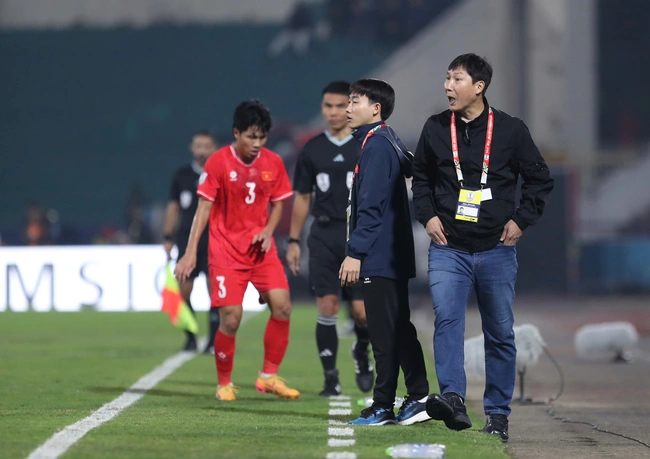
[363,368]
[332,384]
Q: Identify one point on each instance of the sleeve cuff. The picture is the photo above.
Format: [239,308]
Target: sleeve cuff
[350,252]
[205,196]
[428,216]
[283,197]
[521,223]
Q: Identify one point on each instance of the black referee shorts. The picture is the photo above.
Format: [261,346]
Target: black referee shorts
[201,261]
[326,244]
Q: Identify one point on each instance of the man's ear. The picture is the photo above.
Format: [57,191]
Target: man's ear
[480,85]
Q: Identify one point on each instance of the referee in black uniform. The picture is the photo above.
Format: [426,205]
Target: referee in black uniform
[183,203]
[325,167]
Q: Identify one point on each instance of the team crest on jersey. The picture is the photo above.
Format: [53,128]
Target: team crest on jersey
[233,176]
[186,199]
[323,181]
[204,175]
[267,176]
[348,179]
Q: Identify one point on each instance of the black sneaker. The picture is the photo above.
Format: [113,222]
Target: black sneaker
[363,368]
[497,424]
[449,408]
[332,386]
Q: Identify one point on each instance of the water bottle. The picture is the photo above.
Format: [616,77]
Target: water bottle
[417,450]
[366,402]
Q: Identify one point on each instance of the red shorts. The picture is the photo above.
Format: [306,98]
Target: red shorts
[229,285]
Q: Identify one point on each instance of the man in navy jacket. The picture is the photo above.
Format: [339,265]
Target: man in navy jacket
[380,250]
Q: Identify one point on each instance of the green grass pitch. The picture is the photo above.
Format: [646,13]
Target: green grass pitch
[57,368]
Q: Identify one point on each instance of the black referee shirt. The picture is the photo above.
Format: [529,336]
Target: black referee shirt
[326,166]
[183,191]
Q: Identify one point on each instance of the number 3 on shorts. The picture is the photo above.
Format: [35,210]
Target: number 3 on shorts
[222,286]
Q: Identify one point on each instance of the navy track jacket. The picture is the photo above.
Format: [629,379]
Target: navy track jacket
[381,235]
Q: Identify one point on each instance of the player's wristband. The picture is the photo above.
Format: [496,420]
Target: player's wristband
[293,240]
[168,238]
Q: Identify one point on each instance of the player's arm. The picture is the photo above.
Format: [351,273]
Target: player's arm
[303,184]
[266,236]
[301,207]
[169,227]
[187,263]
[171,215]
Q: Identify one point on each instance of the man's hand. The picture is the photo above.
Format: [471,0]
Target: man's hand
[511,233]
[265,239]
[168,246]
[185,266]
[349,272]
[436,231]
[293,258]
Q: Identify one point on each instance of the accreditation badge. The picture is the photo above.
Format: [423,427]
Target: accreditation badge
[469,205]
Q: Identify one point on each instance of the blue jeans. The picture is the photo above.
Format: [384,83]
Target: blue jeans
[492,274]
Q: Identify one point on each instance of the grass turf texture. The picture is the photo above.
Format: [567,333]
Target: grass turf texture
[57,368]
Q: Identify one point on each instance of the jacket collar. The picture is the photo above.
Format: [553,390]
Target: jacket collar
[479,120]
[361,133]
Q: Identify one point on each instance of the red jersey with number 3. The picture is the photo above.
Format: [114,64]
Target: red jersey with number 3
[241,194]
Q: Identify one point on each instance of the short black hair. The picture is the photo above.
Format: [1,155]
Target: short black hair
[337,87]
[377,92]
[205,133]
[252,113]
[476,67]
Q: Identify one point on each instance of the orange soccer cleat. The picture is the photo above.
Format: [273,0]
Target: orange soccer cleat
[226,393]
[276,385]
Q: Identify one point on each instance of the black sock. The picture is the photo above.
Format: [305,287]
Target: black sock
[327,341]
[189,334]
[189,305]
[213,321]
[363,339]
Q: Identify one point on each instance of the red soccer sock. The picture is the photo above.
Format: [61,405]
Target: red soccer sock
[224,353]
[276,340]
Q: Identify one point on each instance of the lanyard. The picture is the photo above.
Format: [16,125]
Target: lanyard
[370,134]
[486,151]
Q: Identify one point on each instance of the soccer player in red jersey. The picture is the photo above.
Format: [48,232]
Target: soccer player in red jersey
[239,184]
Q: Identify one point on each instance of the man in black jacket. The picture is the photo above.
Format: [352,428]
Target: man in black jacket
[380,249]
[465,175]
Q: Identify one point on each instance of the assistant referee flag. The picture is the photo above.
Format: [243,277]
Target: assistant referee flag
[173,304]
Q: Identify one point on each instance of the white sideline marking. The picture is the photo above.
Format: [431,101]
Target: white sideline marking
[341,455]
[61,441]
[339,397]
[340,431]
[334,422]
[339,412]
[342,404]
[338,442]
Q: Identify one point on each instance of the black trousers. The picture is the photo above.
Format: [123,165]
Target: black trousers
[394,339]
